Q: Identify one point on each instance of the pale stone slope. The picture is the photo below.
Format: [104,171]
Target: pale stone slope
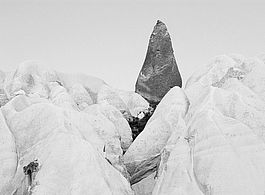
[60,121]
[221,149]
[207,138]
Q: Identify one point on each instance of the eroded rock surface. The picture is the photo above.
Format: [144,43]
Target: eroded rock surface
[221,148]
[160,71]
[47,117]
[75,134]
[143,155]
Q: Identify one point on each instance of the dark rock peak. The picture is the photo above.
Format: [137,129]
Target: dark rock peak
[159,72]
[158,22]
[160,27]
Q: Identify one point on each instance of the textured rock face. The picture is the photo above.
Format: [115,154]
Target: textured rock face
[142,157]
[8,153]
[159,72]
[76,141]
[67,134]
[221,148]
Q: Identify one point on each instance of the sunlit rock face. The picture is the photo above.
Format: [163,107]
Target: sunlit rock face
[159,72]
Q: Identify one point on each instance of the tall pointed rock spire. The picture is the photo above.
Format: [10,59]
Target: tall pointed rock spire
[159,72]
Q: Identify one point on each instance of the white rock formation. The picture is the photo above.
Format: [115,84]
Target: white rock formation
[114,115]
[134,102]
[222,148]
[8,154]
[109,95]
[80,95]
[46,117]
[143,155]
[67,134]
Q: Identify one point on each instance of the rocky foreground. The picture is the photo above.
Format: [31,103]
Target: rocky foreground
[74,134]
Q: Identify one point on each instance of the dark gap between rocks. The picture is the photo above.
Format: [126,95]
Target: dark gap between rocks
[138,123]
[30,169]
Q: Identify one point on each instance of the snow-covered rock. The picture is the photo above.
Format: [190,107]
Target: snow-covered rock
[134,102]
[142,156]
[145,186]
[30,78]
[80,96]
[66,148]
[224,160]
[91,84]
[222,148]
[68,133]
[46,118]
[109,95]
[3,95]
[175,174]
[8,155]
[120,123]
[60,97]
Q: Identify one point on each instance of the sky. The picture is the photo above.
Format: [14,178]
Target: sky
[109,39]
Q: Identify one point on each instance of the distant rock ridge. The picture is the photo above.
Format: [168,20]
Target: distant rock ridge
[159,72]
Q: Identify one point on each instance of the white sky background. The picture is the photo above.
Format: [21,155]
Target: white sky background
[109,39]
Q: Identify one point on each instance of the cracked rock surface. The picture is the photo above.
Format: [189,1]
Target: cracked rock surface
[159,72]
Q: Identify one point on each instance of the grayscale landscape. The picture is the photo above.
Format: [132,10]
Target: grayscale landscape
[65,131]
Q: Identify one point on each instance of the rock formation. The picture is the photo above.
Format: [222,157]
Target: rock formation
[73,126]
[160,71]
[70,134]
[221,148]
[146,148]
